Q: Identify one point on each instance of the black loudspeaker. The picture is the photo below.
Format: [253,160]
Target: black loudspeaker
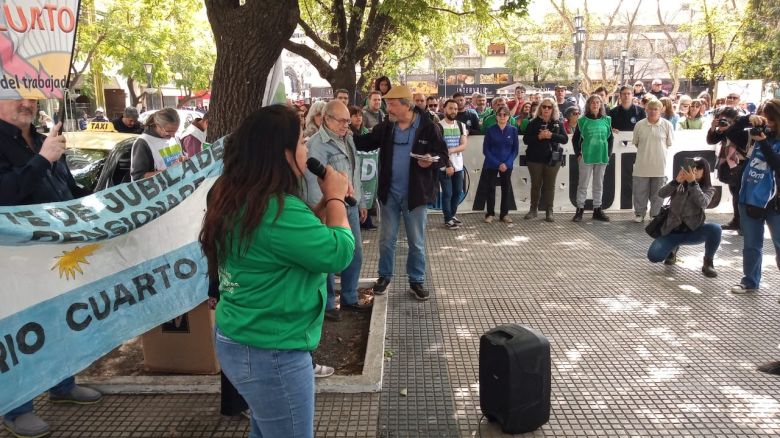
[514,378]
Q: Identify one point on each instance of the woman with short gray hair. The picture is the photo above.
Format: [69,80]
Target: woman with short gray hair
[157,148]
[314,118]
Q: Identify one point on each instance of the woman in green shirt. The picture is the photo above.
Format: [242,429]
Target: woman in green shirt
[592,142]
[693,118]
[271,253]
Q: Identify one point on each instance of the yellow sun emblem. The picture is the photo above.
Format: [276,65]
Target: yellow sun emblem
[69,262]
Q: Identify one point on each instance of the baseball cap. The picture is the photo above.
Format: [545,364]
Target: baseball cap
[399,92]
[560,87]
[99,110]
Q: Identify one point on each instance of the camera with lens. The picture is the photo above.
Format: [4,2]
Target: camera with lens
[723,122]
[758,130]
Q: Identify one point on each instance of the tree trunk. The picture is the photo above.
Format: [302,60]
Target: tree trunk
[344,77]
[134,99]
[249,40]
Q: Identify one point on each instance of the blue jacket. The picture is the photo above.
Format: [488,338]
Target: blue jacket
[759,185]
[500,146]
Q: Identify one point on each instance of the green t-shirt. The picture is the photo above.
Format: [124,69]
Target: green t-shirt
[272,295]
[491,120]
[594,134]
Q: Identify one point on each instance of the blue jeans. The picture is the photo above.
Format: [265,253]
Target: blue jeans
[707,233]
[451,191]
[414,222]
[350,276]
[278,386]
[753,244]
[61,388]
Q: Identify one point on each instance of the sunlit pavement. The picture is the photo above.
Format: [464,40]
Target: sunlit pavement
[638,349]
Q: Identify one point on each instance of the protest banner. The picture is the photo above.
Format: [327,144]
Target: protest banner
[82,276]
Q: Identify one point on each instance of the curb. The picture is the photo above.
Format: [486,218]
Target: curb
[369,381]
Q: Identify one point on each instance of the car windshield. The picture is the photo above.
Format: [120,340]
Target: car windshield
[81,159]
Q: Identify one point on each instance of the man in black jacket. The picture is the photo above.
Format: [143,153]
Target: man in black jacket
[625,114]
[729,129]
[406,184]
[33,171]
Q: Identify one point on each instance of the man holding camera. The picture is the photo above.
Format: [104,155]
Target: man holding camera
[728,128]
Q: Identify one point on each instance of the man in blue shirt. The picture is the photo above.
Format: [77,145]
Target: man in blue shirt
[406,184]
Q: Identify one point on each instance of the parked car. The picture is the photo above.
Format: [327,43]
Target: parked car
[186,117]
[99,160]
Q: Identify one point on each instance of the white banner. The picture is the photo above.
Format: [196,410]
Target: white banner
[82,276]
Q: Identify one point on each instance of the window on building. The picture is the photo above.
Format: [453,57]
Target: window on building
[496,49]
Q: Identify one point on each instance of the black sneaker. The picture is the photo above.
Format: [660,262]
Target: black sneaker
[380,285]
[418,291]
[332,314]
[456,220]
[357,307]
[731,225]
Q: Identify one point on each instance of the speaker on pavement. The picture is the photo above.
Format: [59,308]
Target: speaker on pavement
[514,378]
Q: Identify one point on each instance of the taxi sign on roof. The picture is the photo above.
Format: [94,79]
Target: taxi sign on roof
[101,127]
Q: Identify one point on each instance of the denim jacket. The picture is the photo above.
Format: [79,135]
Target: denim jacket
[325,147]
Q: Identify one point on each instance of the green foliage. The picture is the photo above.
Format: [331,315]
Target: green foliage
[401,32]
[758,52]
[714,34]
[128,33]
[534,58]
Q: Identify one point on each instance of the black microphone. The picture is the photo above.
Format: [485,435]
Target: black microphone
[318,169]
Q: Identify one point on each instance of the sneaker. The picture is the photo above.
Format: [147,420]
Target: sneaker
[380,285]
[489,219]
[27,425]
[731,225]
[598,215]
[418,291]
[80,395]
[578,215]
[323,371]
[671,258]
[332,315]
[357,307]
[741,289]
[456,220]
[506,220]
[451,225]
[531,214]
[639,219]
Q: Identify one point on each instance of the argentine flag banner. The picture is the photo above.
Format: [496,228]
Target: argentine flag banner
[82,276]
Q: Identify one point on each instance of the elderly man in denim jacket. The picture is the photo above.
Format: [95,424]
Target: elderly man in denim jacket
[333,145]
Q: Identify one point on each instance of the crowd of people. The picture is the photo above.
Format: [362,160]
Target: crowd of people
[275,234]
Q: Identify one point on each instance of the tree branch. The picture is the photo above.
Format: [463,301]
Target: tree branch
[311,55]
[324,45]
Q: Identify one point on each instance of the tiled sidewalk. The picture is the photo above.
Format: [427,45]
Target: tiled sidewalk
[639,350]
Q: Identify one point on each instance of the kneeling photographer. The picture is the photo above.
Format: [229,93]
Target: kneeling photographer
[728,128]
[691,192]
[758,199]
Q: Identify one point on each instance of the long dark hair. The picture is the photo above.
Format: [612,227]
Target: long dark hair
[254,169]
[381,79]
[705,182]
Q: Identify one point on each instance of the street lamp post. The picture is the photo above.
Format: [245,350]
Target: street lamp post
[148,67]
[631,63]
[578,37]
[623,57]
[620,63]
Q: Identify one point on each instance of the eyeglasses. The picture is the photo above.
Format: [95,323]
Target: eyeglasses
[576,113]
[545,107]
[433,105]
[698,163]
[340,121]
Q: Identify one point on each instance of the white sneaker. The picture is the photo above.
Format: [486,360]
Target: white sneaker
[741,289]
[452,225]
[323,371]
[639,219]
